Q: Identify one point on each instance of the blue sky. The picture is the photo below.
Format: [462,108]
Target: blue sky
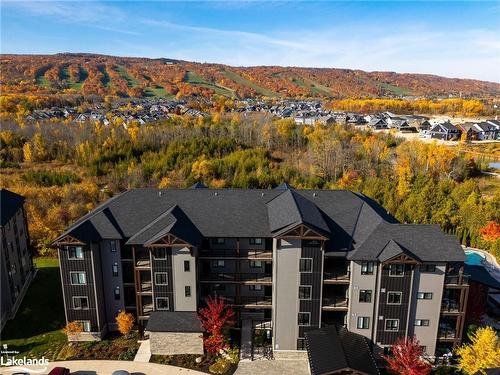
[453,39]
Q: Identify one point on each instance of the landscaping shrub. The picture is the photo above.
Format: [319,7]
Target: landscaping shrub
[220,367]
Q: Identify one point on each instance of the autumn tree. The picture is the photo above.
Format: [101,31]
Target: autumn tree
[125,322]
[72,329]
[216,316]
[482,353]
[407,358]
[491,231]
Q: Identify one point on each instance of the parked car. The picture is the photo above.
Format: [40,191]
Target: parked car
[59,371]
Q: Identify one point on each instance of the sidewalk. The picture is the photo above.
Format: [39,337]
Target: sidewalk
[144,352]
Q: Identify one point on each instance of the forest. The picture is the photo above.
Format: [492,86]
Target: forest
[88,74]
[65,169]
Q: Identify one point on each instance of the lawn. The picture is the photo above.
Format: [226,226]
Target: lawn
[242,81]
[195,79]
[131,82]
[158,92]
[36,329]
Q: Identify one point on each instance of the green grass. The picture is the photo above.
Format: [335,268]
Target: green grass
[105,76]
[195,79]
[64,76]
[313,87]
[42,81]
[36,329]
[394,89]
[157,92]
[245,82]
[131,82]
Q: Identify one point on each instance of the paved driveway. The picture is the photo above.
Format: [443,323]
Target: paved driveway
[275,367]
[107,368]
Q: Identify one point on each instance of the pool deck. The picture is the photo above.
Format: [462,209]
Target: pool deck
[489,262]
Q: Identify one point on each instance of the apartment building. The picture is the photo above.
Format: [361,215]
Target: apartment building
[16,269]
[290,260]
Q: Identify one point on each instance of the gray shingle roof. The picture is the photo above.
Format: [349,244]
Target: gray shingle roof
[174,321]
[10,203]
[335,349]
[351,221]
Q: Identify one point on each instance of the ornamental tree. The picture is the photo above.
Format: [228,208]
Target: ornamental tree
[491,231]
[214,318]
[125,322]
[72,329]
[482,353]
[407,358]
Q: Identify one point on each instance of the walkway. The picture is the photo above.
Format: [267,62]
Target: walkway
[107,368]
[246,340]
[144,352]
[275,367]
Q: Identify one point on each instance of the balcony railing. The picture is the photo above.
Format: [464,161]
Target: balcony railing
[446,334]
[335,302]
[145,262]
[233,253]
[336,276]
[257,278]
[450,306]
[146,286]
[459,279]
[146,309]
[256,301]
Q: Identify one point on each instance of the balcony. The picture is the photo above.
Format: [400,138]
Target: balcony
[147,309]
[244,278]
[143,263]
[334,303]
[450,307]
[456,280]
[146,287]
[336,277]
[235,254]
[446,334]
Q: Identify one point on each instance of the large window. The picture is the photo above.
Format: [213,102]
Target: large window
[394,298]
[424,295]
[304,318]
[78,278]
[256,241]
[367,268]
[75,252]
[187,266]
[80,303]
[422,322]
[391,324]
[305,292]
[363,322]
[365,295]
[161,278]
[396,270]
[162,303]
[305,265]
[218,263]
[255,264]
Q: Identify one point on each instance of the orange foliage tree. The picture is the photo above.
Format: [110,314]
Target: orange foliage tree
[491,231]
[125,322]
[72,329]
[406,358]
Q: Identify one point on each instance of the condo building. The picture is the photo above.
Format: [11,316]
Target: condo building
[293,261]
[16,268]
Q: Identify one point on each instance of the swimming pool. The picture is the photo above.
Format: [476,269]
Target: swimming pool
[473,258]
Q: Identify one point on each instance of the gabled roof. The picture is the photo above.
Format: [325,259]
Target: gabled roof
[334,350]
[290,209]
[10,203]
[174,321]
[198,185]
[392,250]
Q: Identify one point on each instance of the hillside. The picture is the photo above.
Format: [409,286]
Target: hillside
[140,77]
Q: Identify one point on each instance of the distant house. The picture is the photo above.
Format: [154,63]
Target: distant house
[378,123]
[445,131]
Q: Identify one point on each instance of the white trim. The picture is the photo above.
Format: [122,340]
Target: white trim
[310,292]
[80,308]
[391,330]
[397,293]
[358,320]
[78,272]
[304,325]
[163,309]
[365,290]
[76,258]
[311,259]
[396,264]
[95,287]
[153,253]
[157,283]
[62,282]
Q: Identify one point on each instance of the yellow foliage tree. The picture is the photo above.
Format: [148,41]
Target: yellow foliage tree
[483,352]
[72,329]
[125,322]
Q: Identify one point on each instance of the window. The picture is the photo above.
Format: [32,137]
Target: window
[394,298]
[391,324]
[187,291]
[78,278]
[75,252]
[114,269]
[367,268]
[218,263]
[85,325]
[80,303]
[304,318]
[422,322]
[256,241]
[161,278]
[363,322]
[116,292]
[161,303]
[305,292]
[428,268]
[424,295]
[160,253]
[365,295]
[396,269]
[255,287]
[187,266]
[218,241]
[255,264]
[305,265]
[112,246]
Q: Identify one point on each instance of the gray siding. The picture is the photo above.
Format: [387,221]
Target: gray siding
[163,265]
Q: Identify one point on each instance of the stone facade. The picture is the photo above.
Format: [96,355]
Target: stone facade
[168,343]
